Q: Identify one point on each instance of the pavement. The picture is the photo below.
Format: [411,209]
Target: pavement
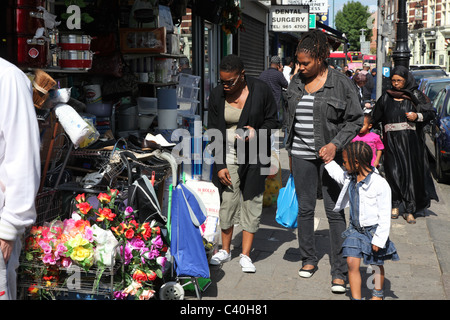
[422,273]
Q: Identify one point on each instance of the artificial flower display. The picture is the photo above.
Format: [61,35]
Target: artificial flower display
[98,237]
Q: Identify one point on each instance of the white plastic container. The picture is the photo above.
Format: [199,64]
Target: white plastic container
[147,105]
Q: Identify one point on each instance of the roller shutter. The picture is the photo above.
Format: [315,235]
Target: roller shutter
[251,46]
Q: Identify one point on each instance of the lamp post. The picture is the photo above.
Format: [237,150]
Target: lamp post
[401,53]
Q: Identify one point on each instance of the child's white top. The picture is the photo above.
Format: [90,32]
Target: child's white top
[374,201]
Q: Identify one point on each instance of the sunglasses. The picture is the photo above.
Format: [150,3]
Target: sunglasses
[230,83]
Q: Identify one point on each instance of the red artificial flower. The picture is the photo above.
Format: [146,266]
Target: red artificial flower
[84,207]
[105,213]
[104,197]
[129,233]
[151,276]
[80,198]
[140,276]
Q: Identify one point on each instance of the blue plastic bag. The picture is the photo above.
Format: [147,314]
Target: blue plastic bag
[287,205]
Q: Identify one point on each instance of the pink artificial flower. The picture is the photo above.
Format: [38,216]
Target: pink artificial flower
[146,294]
[66,262]
[157,242]
[48,259]
[162,262]
[128,210]
[46,247]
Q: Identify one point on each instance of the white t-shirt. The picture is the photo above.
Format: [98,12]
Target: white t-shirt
[287,73]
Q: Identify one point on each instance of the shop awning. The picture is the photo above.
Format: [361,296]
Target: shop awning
[335,37]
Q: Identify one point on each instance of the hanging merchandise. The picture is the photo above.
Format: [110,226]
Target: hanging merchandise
[80,132]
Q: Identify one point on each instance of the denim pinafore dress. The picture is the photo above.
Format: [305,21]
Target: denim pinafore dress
[358,240]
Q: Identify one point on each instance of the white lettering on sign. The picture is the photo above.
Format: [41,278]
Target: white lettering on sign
[315,6]
[289,18]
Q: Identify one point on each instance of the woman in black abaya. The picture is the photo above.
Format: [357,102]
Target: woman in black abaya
[403,111]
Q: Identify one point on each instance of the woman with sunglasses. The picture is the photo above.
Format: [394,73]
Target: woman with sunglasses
[403,111]
[244,112]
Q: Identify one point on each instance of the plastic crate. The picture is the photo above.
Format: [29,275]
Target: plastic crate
[187,92]
[187,80]
[187,106]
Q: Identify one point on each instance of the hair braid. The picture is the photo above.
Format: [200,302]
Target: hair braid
[361,152]
[315,43]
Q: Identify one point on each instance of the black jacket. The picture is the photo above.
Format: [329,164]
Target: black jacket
[338,116]
[259,112]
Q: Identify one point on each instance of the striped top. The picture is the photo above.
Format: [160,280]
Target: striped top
[303,143]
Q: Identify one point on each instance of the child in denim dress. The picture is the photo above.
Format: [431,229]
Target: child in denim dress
[369,197]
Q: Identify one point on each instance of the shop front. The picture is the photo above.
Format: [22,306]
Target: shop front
[116,92]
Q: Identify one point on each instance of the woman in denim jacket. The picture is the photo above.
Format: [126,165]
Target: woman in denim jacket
[324,114]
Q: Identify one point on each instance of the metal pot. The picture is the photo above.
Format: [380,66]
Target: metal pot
[75,42]
[76,60]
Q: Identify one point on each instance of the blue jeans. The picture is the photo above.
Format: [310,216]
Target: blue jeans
[307,175]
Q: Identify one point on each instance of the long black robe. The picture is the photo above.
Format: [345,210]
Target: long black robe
[405,158]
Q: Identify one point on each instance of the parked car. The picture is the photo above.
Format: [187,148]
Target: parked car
[424,66]
[431,86]
[437,136]
[419,74]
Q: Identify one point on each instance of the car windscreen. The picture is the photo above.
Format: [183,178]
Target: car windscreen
[428,74]
[435,88]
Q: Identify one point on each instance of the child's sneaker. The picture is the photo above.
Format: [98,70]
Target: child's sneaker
[220,257]
[246,264]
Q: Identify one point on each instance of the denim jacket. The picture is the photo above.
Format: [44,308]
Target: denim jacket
[338,116]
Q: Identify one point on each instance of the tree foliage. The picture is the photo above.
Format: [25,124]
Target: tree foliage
[350,20]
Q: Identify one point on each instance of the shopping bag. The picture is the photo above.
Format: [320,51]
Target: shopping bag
[287,205]
[187,215]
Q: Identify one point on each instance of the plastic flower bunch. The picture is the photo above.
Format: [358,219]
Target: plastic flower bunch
[80,241]
[143,253]
[105,215]
[46,243]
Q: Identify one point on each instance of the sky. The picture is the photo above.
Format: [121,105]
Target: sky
[339,4]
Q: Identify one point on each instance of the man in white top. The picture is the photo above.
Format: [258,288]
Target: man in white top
[287,68]
[19,170]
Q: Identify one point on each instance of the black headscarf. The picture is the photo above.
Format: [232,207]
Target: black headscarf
[410,90]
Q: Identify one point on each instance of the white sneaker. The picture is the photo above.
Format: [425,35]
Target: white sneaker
[220,257]
[246,264]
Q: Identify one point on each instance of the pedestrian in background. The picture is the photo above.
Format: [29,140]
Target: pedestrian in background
[274,78]
[20,169]
[374,90]
[403,112]
[324,116]
[368,87]
[372,139]
[287,68]
[277,82]
[368,195]
[240,102]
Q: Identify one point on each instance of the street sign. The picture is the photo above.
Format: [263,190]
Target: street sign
[386,72]
[315,6]
[365,47]
[312,21]
[289,18]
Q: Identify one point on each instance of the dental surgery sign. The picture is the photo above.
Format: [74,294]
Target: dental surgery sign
[289,18]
